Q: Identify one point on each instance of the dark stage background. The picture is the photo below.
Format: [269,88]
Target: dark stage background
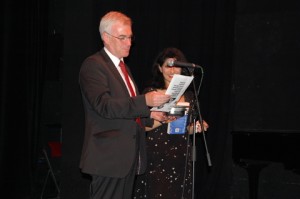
[249,51]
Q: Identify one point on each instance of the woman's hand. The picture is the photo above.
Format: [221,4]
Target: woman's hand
[198,127]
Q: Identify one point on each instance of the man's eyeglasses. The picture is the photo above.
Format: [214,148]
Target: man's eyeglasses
[122,37]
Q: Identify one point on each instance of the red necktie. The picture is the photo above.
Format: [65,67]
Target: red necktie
[125,73]
[132,93]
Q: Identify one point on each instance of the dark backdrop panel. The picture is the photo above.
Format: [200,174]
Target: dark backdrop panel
[265,88]
[77,45]
[266,66]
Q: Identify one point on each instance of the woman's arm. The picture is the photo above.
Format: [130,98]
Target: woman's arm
[155,125]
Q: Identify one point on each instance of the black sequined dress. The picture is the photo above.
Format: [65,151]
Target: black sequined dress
[169,168]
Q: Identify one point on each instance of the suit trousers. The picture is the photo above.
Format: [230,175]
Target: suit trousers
[113,188]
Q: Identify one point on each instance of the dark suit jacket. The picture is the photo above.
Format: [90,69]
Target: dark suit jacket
[111,133]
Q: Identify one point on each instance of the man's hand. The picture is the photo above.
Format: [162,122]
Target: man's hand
[162,117]
[159,116]
[155,98]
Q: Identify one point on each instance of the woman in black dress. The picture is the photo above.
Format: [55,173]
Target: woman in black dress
[169,168]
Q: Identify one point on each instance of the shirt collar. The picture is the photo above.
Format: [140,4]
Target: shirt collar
[113,58]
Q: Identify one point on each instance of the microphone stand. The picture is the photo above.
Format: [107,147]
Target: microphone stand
[194,116]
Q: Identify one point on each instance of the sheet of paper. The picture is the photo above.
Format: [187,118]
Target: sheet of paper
[177,87]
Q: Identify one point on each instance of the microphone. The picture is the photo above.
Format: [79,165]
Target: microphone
[182,64]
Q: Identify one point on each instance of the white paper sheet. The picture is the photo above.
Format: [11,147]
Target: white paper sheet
[177,87]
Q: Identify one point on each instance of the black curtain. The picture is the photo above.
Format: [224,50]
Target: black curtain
[23,33]
[202,29]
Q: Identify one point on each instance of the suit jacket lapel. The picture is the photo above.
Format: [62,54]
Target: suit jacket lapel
[116,73]
[110,66]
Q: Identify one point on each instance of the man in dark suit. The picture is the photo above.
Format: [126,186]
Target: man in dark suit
[115,114]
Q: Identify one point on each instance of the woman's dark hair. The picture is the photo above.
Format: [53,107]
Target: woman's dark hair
[158,79]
